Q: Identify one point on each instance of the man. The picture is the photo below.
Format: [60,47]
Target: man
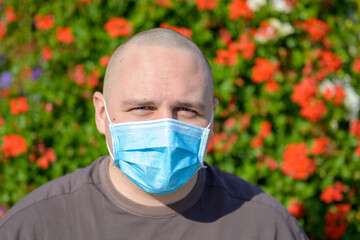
[156,112]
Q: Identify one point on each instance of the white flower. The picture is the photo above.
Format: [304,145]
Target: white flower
[283,29]
[326,84]
[352,100]
[273,30]
[255,5]
[281,6]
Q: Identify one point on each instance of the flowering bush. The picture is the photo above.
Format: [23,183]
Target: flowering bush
[286,72]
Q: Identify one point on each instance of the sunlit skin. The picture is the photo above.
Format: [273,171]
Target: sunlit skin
[154,82]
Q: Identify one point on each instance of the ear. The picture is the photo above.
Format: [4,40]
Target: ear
[98,100]
[215,103]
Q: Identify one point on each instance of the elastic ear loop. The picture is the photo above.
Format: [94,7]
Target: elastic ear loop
[107,145]
[211,120]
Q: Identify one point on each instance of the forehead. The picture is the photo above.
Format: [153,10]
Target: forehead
[159,73]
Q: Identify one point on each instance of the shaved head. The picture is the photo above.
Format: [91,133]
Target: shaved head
[161,37]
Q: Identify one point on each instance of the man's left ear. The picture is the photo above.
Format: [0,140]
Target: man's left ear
[215,103]
[98,100]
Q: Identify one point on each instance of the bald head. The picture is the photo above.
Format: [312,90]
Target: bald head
[159,37]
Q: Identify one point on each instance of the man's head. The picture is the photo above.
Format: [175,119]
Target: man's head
[156,74]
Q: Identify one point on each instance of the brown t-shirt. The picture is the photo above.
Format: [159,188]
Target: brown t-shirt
[85,205]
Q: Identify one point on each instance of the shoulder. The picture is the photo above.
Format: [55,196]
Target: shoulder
[239,189]
[234,186]
[250,201]
[67,184]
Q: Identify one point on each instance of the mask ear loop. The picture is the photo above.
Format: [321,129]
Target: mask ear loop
[211,120]
[208,127]
[107,145]
[106,112]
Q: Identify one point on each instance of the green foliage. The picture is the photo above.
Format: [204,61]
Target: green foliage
[59,116]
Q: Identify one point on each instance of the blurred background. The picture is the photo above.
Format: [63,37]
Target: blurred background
[286,72]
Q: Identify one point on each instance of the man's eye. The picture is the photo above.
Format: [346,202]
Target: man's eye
[186,112]
[186,109]
[143,108]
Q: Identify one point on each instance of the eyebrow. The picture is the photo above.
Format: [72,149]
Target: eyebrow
[133,103]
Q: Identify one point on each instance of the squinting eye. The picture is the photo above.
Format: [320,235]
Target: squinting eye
[143,110]
[187,112]
[186,109]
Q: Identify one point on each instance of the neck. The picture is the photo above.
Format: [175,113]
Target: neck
[124,186]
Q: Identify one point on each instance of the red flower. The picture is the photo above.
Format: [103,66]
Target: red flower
[246,47]
[328,93]
[264,33]
[230,122]
[304,91]
[184,31]
[44,22]
[206,4]
[333,193]
[44,160]
[257,142]
[18,105]
[164,3]
[316,28]
[10,15]
[104,61]
[356,64]
[238,8]
[226,57]
[320,145]
[271,86]
[1,121]
[64,34]
[264,132]
[264,70]
[329,62]
[270,162]
[339,95]
[355,128]
[225,36]
[244,122]
[357,150]
[313,110]
[330,194]
[296,163]
[336,222]
[265,129]
[343,207]
[48,107]
[308,67]
[215,140]
[296,208]
[78,75]
[118,27]
[47,53]
[3,29]
[93,78]
[13,145]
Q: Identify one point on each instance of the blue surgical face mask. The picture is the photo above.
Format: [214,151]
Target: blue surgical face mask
[158,156]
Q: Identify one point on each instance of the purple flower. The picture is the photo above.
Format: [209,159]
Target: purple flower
[36,73]
[5,79]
